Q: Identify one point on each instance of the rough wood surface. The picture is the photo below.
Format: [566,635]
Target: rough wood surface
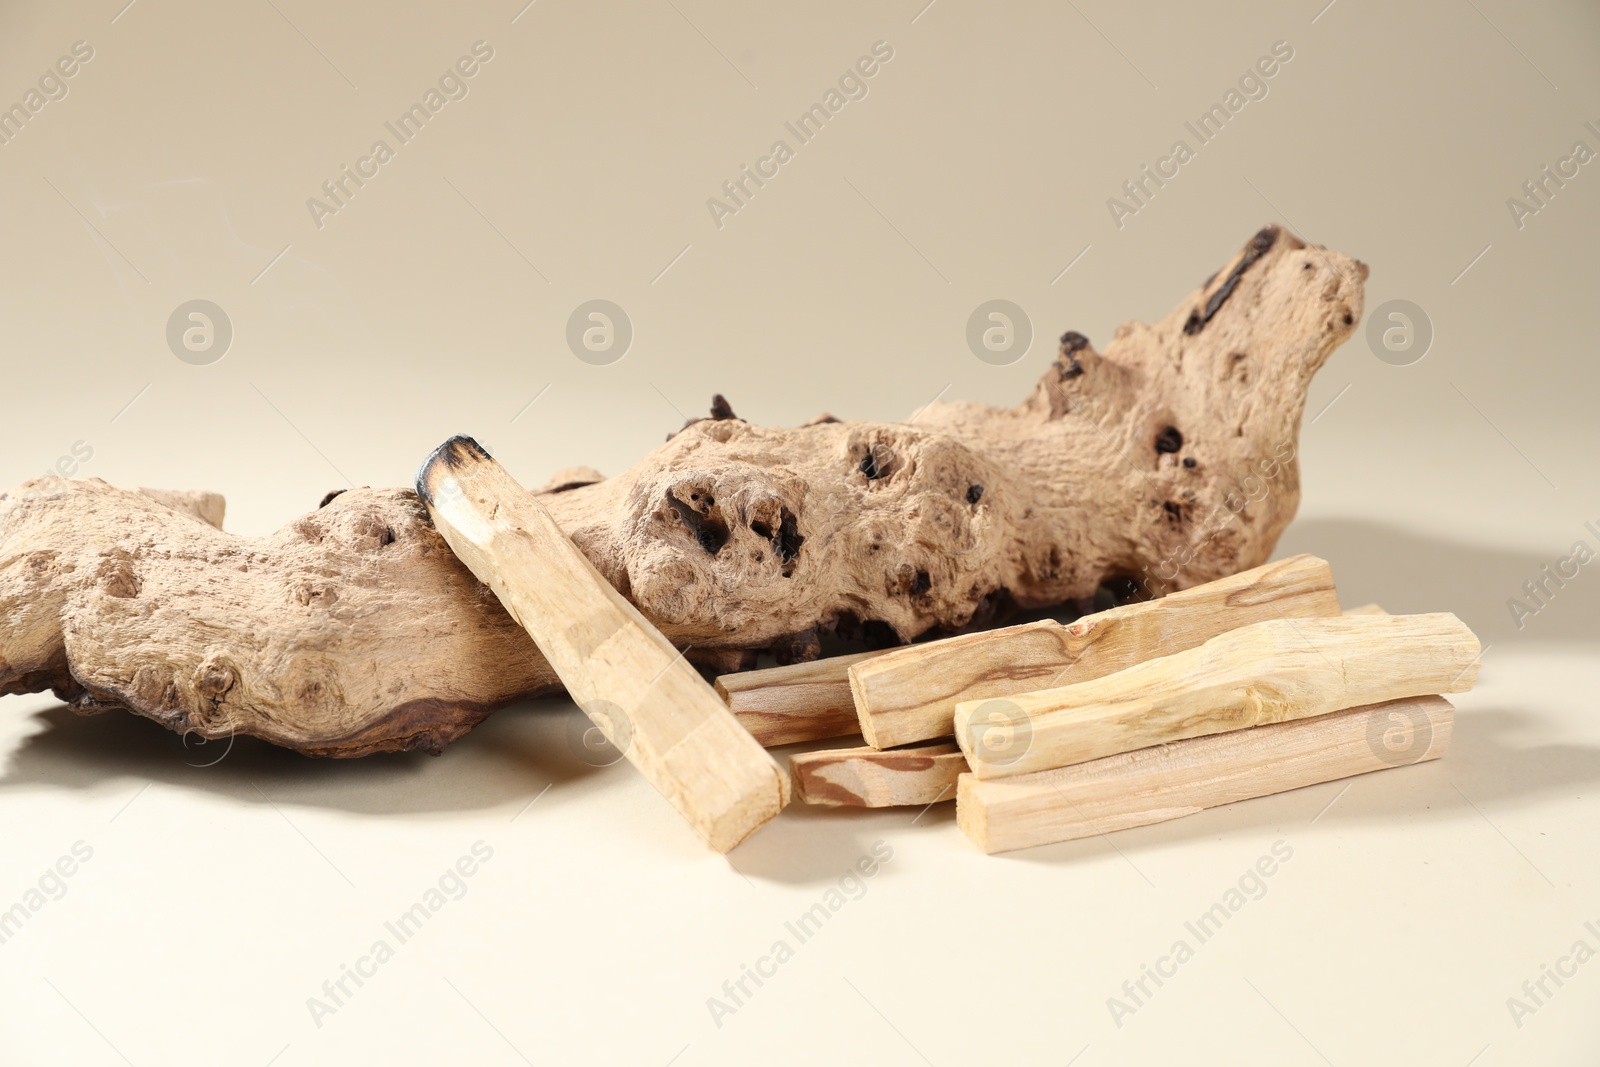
[1166,461]
[797,701]
[1262,673]
[911,694]
[636,687]
[868,778]
[1153,785]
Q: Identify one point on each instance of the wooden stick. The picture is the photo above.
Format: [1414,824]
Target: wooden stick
[1263,673]
[911,693]
[867,778]
[1170,781]
[796,702]
[647,700]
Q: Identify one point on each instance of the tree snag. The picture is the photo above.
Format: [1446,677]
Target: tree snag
[1167,461]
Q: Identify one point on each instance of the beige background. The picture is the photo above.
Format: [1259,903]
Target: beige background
[977,166]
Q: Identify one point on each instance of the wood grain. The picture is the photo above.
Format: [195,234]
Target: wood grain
[911,694]
[796,702]
[1262,673]
[1164,782]
[868,778]
[641,693]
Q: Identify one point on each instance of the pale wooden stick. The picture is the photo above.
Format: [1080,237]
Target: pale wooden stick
[910,694]
[1263,673]
[647,700]
[868,778]
[795,702]
[1170,781]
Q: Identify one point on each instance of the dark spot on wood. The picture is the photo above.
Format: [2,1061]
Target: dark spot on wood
[1174,511]
[802,647]
[974,493]
[1306,265]
[877,463]
[1348,319]
[1258,246]
[387,538]
[1120,588]
[788,542]
[709,530]
[878,634]
[1188,461]
[1168,440]
[1072,342]
[921,584]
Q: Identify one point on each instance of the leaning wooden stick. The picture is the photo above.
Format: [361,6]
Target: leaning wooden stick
[647,700]
[868,778]
[1170,781]
[796,702]
[910,694]
[1263,673]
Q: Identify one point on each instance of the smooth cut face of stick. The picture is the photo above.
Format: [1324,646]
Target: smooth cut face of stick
[639,690]
[1166,782]
[910,694]
[867,778]
[1263,673]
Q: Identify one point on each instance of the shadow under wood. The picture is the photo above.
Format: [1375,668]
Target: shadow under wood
[511,756]
[1481,763]
[1407,572]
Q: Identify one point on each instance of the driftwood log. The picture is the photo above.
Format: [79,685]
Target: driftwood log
[1166,461]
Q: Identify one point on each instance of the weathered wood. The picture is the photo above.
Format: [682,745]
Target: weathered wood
[1166,460]
[796,702]
[1262,673]
[869,778]
[641,693]
[911,693]
[1164,782]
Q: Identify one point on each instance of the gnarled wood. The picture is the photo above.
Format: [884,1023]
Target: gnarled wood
[1167,461]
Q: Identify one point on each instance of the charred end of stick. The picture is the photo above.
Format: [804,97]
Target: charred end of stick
[458,452]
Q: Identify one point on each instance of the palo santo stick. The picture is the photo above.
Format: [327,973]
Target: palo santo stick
[1153,785]
[867,778]
[920,774]
[1263,673]
[796,702]
[641,692]
[911,693]
[812,701]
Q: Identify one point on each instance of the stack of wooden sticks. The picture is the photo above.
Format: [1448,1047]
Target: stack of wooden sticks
[1244,687]
[1247,686]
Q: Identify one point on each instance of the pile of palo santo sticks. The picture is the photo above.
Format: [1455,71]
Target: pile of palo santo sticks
[1247,686]
[1251,685]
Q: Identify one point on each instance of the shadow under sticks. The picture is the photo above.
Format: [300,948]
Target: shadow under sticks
[1407,572]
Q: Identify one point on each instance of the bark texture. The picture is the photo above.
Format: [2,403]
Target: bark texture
[1166,461]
